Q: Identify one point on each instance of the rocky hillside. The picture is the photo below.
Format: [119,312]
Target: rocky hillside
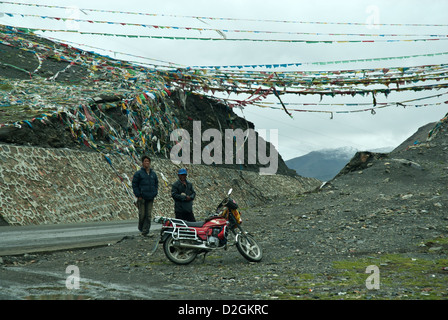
[54,95]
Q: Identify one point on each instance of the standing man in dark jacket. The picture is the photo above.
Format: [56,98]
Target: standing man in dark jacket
[183,194]
[145,185]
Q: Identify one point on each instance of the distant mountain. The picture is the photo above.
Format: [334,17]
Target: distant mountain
[324,164]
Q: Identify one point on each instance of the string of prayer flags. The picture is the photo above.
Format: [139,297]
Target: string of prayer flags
[224,18]
[220,31]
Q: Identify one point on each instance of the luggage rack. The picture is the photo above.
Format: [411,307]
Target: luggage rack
[181,231]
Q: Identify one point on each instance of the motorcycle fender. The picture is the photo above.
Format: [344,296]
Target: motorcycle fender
[237,237]
[164,236]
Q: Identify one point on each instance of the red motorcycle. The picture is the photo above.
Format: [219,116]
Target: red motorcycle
[184,240]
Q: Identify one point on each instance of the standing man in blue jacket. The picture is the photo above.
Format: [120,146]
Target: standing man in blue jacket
[145,185]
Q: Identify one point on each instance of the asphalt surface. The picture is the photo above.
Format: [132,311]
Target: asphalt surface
[15,240]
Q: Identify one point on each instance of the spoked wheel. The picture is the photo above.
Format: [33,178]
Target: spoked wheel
[176,254]
[248,247]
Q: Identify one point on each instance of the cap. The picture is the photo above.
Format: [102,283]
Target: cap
[182,171]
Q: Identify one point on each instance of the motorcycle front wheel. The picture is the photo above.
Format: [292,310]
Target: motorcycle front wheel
[176,254]
[248,247]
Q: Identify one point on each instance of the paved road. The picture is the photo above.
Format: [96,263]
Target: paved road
[16,240]
[25,282]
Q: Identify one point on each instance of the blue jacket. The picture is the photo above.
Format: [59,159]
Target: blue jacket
[145,185]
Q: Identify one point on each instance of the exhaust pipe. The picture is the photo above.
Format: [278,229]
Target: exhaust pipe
[201,246]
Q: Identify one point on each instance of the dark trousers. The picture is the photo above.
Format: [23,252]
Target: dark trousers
[144,215]
[187,216]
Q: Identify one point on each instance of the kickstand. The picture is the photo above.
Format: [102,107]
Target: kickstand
[203,260]
[155,248]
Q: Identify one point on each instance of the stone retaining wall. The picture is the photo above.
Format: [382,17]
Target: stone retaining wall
[49,186]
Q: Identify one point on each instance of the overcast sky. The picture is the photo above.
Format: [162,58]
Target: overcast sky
[304,132]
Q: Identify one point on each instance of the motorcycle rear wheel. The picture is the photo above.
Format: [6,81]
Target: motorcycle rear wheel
[176,254]
[249,248]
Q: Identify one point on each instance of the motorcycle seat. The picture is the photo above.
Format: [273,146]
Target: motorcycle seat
[194,224]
